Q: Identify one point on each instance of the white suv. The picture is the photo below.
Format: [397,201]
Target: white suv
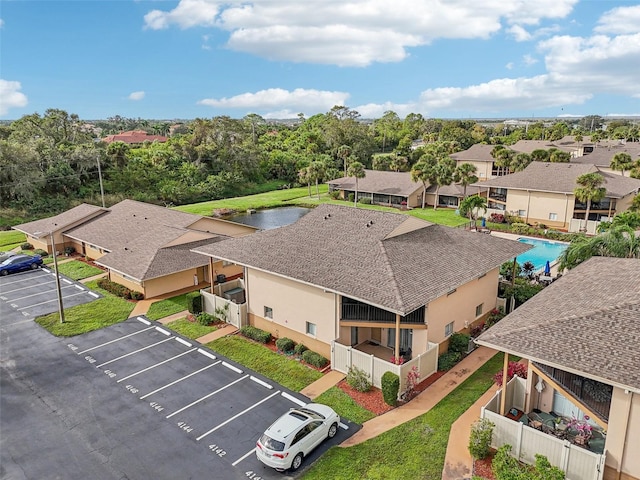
[295,434]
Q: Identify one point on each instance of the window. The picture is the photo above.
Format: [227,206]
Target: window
[448,329]
[522,213]
[479,309]
[553,216]
[268,312]
[311,328]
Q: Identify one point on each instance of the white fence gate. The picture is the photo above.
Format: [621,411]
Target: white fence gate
[344,357]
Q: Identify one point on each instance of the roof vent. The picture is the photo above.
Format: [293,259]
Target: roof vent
[126,248]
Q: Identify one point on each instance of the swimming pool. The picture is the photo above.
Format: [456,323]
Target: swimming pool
[542,251]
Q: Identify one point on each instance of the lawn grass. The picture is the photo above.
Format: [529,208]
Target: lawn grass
[415,449]
[285,371]
[169,306]
[88,316]
[190,329]
[77,270]
[10,239]
[344,405]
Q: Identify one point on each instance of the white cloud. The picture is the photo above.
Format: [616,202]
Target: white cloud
[279,101]
[1,23]
[621,20]
[510,65]
[352,32]
[10,96]
[529,60]
[136,95]
[519,33]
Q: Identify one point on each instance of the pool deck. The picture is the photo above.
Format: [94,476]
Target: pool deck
[513,236]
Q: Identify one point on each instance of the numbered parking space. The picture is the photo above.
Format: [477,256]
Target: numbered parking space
[29,294]
[217,404]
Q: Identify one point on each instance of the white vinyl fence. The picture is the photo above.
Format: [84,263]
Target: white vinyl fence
[344,357]
[577,462]
[236,313]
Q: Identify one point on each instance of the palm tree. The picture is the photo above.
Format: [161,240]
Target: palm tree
[344,152]
[443,175]
[589,189]
[316,170]
[356,170]
[618,242]
[635,204]
[621,161]
[471,206]
[465,175]
[303,176]
[422,171]
[520,162]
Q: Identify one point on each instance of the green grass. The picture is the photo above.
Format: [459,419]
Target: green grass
[344,405]
[285,371]
[190,329]
[167,307]
[10,239]
[415,449]
[88,316]
[77,270]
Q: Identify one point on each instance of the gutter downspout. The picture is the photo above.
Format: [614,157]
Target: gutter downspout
[528,205]
[566,210]
[624,439]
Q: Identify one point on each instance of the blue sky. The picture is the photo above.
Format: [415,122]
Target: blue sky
[182,59]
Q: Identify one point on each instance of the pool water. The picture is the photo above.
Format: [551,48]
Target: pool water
[542,251]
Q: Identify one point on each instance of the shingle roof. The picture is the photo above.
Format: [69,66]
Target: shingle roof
[587,322]
[561,178]
[134,137]
[135,234]
[528,146]
[457,190]
[602,156]
[377,181]
[60,222]
[398,262]
[478,152]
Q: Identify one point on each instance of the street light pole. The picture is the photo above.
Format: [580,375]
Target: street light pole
[55,265]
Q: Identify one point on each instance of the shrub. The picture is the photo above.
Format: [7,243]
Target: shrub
[506,467]
[496,218]
[42,253]
[390,387]
[476,330]
[358,379]
[459,342]
[506,270]
[255,334]
[351,197]
[135,295]
[521,228]
[335,195]
[413,379]
[114,288]
[522,291]
[315,359]
[194,302]
[513,369]
[365,201]
[204,318]
[285,345]
[480,438]
[69,250]
[495,316]
[26,246]
[447,360]
[300,348]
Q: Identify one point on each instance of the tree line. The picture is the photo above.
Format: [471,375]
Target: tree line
[52,161]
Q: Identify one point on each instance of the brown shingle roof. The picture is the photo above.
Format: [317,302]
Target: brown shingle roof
[602,156]
[528,146]
[587,322]
[377,181]
[398,262]
[60,222]
[478,152]
[561,178]
[133,137]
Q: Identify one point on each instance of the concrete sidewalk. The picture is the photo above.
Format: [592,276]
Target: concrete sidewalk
[426,400]
[323,384]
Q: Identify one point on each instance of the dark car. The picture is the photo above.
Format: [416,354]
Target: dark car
[20,263]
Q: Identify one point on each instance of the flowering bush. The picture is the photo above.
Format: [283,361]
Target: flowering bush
[514,369]
[496,218]
[495,316]
[582,428]
[397,360]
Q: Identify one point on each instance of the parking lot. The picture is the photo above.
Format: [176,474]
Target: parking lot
[214,402]
[26,295]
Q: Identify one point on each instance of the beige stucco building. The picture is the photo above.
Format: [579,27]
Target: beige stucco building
[145,247]
[578,335]
[362,277]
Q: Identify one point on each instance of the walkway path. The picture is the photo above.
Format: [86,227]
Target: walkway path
[323,384]
[426,400]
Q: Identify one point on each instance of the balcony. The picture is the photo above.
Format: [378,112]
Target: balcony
[354,311]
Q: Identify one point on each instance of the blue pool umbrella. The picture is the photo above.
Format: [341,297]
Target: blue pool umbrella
[547,269]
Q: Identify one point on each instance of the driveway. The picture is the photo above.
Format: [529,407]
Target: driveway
[26,295]
[135,401]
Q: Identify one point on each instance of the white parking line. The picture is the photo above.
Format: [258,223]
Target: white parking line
[237,415]
[264,384]
[79,287]
[207,396]
[28,287]
[207,354]
[133,353]
[154,366]
[113,341]
[293,399]
[184,342]
[231,367]
[34,295]
[93,294]
[146,322]
[343,426]
[66,280]
[179,380]
[48,301]
[243,457]
[162,330]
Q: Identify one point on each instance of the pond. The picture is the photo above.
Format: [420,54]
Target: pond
[270,218]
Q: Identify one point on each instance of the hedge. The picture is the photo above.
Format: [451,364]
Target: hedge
[390,387]
[119,290]
[256,334]
[459,342]
[300,348]
[315,359]
[285,344]
[446,361]
[194,302]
